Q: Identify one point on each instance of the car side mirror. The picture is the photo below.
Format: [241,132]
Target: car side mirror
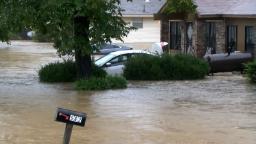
[108,64]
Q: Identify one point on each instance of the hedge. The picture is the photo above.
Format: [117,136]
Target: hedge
[250,71]
[166,67]
[64,72]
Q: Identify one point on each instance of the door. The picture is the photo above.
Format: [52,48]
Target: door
[116,65]
[249,42]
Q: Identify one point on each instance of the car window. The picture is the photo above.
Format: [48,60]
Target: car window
[119,60]
[100,62]
[138,54]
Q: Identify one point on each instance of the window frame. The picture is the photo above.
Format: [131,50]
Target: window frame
[249,29]
[137,22]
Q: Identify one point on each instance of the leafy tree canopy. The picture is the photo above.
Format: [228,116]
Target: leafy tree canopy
[177,6]
[56,18]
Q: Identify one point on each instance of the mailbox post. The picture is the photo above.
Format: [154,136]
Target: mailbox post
[70,118]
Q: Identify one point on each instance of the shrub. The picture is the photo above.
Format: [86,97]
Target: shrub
[65,72]
[137,68]
[58,72]
[250,70]
[102,83]
[190,67]
[98,72]
[166,67]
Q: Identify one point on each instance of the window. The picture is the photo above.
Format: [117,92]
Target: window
[232,38]
[175,35]
[119,60]
[137,22]
[210,36]
[249,38]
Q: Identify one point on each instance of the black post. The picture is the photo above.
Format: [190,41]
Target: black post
[67,134]
[70,118]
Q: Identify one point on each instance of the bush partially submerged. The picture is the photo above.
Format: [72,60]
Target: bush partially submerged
[58,72]
[167,67]
[65,72]
[250,70]
[102,83]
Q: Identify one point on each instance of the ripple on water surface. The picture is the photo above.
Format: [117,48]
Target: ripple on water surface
[218,110]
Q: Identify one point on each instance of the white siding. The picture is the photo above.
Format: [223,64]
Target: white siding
[149,33]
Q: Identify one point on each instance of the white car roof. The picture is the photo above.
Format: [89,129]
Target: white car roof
[128,52]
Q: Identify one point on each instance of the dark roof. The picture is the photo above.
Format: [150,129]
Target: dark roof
[226,8]
[140,7]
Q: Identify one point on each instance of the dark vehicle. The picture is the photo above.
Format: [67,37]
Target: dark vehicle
[108,48]
[227,62]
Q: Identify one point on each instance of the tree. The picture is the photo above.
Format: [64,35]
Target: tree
[73,25]
[186,6]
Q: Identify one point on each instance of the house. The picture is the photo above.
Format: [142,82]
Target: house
[140,14]
[217,26]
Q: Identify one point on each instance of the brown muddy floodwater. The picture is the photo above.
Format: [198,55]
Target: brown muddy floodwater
[218,110]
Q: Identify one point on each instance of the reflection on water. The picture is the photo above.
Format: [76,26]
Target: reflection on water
[218,110]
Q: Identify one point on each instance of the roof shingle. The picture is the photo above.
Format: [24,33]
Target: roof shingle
[140,7]
[226,7]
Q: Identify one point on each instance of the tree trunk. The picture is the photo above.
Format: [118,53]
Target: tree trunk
[82,58]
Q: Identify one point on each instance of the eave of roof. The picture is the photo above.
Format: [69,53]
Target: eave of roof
[137,15]
[226,16]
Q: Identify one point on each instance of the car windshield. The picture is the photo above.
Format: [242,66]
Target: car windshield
[103,60]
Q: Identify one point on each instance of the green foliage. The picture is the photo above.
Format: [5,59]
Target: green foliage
[58,72]
[98,72]
[180,6]
[73,25]
[56,19]
[108,82]
[166,67]
[250,70]
[65,72]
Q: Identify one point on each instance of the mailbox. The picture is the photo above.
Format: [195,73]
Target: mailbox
[70,117]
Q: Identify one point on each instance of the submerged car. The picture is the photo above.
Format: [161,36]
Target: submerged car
[108,48]
[113,63]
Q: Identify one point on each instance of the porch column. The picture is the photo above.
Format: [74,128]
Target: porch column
[198,38]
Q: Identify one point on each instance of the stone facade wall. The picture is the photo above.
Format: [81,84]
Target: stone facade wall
[220,36]
[199,31]
[198,38]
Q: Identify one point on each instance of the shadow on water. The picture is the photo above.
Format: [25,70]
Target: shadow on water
[218,110]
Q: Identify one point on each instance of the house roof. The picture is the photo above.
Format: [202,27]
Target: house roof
[140,7]
[226,8]
[222,8]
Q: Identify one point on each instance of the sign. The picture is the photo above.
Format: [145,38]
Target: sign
[70,117]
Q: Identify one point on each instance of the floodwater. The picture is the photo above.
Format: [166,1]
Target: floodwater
[218,110]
